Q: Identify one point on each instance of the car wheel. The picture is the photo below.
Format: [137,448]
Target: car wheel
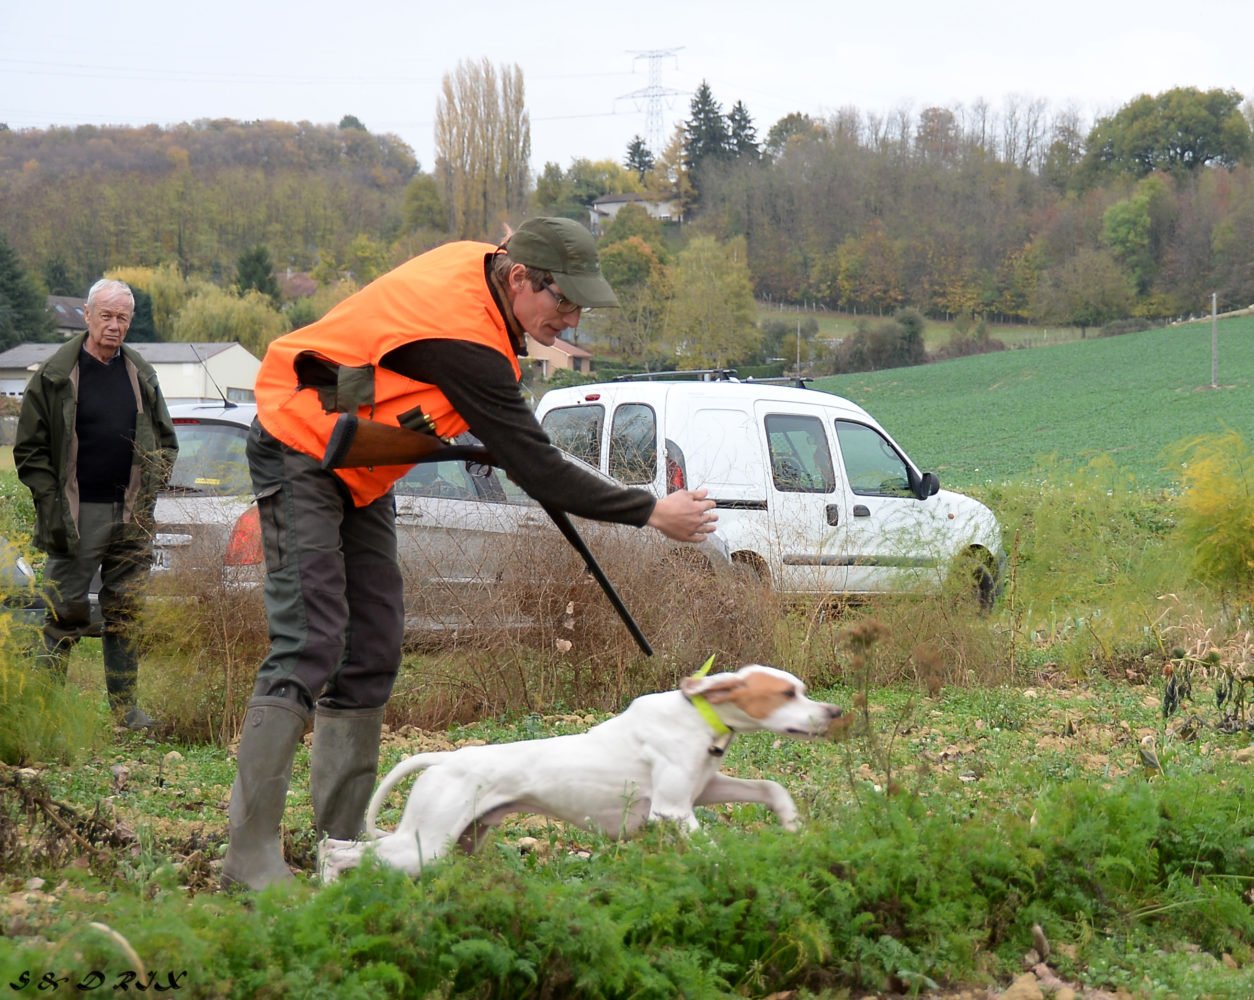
[751,568]
[976,574]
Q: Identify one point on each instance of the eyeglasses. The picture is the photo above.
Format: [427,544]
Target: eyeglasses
[565,306]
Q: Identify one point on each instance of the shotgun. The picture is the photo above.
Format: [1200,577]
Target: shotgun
[356,442]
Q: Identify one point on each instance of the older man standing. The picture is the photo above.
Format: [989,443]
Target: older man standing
[94,445]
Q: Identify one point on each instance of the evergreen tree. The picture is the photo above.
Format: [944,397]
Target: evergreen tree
[24,315]
[254,270]
[639,159]
[57,277]
[742,133]
[142,329]
[705,132]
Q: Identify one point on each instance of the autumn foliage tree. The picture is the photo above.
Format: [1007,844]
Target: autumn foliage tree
[639,278]
[711,319]
[483,148]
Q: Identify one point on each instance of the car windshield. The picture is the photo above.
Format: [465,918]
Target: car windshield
[211,460]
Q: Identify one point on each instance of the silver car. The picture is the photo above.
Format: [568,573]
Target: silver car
[475,551]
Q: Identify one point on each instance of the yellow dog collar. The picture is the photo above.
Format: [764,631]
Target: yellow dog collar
[707,713]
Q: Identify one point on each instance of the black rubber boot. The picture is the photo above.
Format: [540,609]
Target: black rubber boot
[343,767]
[121,665]
[272,729]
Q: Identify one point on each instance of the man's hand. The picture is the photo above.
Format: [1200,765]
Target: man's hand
[685,515]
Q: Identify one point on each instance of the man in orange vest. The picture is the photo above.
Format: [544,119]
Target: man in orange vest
[432,345]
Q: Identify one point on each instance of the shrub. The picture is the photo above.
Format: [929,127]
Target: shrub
[1216,512]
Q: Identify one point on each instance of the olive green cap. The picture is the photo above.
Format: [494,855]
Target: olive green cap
[567,250]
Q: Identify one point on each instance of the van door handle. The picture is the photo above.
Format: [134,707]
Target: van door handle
[833,514]
[861,510]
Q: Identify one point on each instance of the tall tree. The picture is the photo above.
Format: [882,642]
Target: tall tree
[255,270]
[482,148]
[216,315]
[424,208]
[742,134]
[639,158]
[712,317]
[1089,289]
[793,124]
[705,131]
[57,277]
[1180,130]
[24,312]
[639,280]
[634,220]
[1136,229]
[1065,152]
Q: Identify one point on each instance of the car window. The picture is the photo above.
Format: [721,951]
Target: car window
[873,465]
[211,460]
[801,461]
[577,429]
[633,444]
[450,480]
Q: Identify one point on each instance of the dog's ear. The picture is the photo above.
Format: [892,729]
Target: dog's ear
[714,689]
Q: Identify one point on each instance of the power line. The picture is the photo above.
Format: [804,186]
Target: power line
[653,96]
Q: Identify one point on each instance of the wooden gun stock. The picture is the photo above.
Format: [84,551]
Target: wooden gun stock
[355,443]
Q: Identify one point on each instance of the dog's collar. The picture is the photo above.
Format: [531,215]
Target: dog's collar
[722,732]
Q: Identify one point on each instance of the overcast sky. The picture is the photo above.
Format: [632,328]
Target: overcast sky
[69,62]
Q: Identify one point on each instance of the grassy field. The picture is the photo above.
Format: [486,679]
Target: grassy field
[935,334]
[995,800]
[996,417]
[1033,803]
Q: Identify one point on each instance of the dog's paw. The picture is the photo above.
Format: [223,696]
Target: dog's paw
[336,856]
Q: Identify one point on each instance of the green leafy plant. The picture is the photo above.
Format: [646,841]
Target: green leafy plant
[1216,512]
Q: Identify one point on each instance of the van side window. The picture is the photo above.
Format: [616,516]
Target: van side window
[577,429]
[801,461]
[873,466]
[633,444]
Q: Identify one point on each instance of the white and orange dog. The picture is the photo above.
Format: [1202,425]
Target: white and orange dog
[656,761]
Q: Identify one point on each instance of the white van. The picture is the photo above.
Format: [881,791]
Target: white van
[813,494]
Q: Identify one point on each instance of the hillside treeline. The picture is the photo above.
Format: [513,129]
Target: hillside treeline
[1145,214]
[1021,215]
[198,195]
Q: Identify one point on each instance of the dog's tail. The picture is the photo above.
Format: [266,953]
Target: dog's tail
[410,765]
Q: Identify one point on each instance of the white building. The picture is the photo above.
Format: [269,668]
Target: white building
[607,206]
[187,372]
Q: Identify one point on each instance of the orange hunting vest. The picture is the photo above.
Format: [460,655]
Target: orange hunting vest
[312,375]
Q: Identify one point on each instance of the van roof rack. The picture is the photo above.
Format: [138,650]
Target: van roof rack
[711,375]
[796,381]
[680,374]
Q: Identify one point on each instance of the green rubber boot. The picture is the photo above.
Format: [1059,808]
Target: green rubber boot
[273,728]
[343,768]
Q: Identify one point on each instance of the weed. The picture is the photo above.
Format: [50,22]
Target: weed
[1216,519]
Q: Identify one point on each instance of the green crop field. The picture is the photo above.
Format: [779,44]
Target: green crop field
[998,417]
[936,333]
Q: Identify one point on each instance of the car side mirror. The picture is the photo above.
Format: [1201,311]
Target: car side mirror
[928,485]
